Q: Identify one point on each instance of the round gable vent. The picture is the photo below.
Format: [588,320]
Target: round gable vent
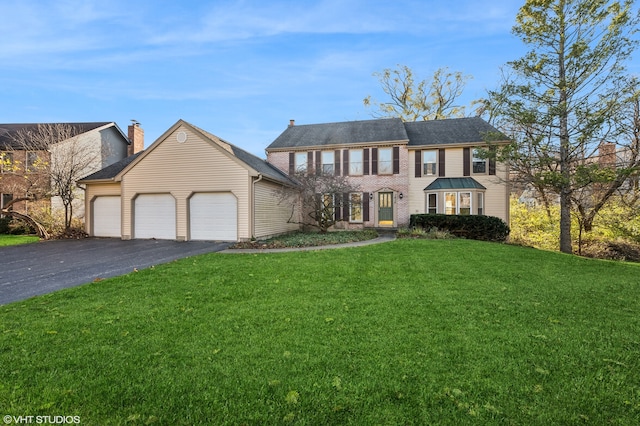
[181,137]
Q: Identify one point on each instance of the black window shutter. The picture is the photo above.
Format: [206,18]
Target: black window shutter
[466,162]
[365,206]
[345,206]
[396,160]
[337,216]
[374,161]
[345,162]
[492,160]
[365,161]
[418,163]
[441,163]
[291,163]
[336,161]
[309,161]
[318,162]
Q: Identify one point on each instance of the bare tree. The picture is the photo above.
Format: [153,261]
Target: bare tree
[58,154]
[418,101]
[322,199]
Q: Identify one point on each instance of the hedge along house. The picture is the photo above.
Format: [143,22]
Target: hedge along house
[188,185]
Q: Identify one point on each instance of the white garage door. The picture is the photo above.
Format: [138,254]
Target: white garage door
[155,216]
[213,217]
[106,216]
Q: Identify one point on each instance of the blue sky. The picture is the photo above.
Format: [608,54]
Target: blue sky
[240,69]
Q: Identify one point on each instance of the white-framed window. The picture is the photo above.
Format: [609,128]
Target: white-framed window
[385,161]
[478,162]
[355,162]
[300,162]
[429,162]
[432,203]
[328,160]
[355,207]
[457,203]
[464,204]
[480,203]
[450,203]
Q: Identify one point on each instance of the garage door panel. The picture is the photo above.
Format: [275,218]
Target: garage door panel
[107,216]
[213,217]
[155,216]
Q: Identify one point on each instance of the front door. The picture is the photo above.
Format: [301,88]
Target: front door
[385,208]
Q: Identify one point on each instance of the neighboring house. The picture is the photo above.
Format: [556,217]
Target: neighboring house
[402,168]
[103,142]
[188,185]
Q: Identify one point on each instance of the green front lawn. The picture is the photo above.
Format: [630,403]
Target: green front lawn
[12,240]
[406,332]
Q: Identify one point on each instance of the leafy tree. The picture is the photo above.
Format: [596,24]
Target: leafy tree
[566,96]
[418,101]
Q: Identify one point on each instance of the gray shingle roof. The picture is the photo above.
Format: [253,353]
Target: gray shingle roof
[454,183]
[451,131]
[348,132]
[112,170]
[9,131]
[419,133]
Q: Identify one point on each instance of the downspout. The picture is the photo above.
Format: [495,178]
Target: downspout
[253,205]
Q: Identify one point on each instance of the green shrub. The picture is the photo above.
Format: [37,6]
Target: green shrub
[4,225]
[486,228]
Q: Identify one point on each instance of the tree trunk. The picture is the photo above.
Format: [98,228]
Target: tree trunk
[565,167]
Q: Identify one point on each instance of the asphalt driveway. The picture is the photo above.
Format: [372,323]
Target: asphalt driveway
[32,269]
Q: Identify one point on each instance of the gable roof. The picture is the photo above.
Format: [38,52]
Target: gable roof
[8,132]
[260,166]
[335,134]
[454,183]
[451,131]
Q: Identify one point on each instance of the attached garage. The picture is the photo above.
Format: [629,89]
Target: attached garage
[213,217]
[155,216]
[188,185]
[107,216]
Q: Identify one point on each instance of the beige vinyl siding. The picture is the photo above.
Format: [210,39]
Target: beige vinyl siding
[96,190]
[496,202]
[181,169]
[270,217]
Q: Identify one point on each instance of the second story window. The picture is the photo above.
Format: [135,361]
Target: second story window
[385,161]
[430,162]
[328,160]
[355,162]
[6,162]
[32,161]
[301,162]
[479,162]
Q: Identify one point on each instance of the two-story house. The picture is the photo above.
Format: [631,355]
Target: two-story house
[28,152]
[402,168]
[192,185]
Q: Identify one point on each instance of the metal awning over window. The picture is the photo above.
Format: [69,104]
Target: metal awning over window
[454,183]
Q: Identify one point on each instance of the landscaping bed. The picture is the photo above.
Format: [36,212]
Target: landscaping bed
[307,239]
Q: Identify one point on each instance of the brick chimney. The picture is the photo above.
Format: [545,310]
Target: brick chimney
[292,123]
[136,137]
[607,155]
